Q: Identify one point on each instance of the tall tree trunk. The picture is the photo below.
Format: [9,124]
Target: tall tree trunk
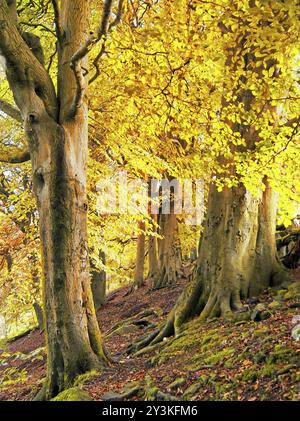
[153,254]
[76,346]
[168,251]
[58,142]
[99,284]
[237,258]
[140,258]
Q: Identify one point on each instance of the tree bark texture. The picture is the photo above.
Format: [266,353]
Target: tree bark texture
[99,285]
[153,254]
[140,258]
[169,257]
[58,143]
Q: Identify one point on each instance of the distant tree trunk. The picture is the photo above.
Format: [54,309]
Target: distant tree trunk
[140,258]
[193,254]
[153,255]
[57,131]
[39,315]
[168,251]
[9,261]
[99,284]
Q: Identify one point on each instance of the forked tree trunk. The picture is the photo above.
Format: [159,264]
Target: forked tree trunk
[58,143]
[237,259]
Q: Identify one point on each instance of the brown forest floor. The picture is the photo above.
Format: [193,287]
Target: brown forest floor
[216,360]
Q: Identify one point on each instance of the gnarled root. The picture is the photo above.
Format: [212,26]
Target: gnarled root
[144,390]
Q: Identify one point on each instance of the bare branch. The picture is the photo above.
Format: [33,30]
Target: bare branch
[18,57]
[83,51]
[117,19]
[58,27]
[104,28]
[96,64]
[38,25]
[15,156]
[11,111]
[52,58]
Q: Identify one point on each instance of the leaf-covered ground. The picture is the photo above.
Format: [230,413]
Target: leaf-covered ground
[216,360]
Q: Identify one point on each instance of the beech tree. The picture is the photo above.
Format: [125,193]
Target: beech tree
[54,115]
[237,256]
[195,89]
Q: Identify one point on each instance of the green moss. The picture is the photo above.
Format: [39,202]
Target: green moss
[250,374]
[255,372]
[73,394]
[222,391]
[260,357]
[274,305]
[293,291]
[192,338]
[204,378]
[280,294]
[219,357]
[192,390]
[177,383]
[262,331]
[83,378]
[280,355]
[3,344]
[296,377]
[267,371]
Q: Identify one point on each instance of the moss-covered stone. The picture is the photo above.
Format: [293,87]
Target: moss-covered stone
[293,291]
[192,390]
[73,394]
[260,307]
[265,315]
[280,294]
[83,378]
[177,383]
[261,332]
[274,305]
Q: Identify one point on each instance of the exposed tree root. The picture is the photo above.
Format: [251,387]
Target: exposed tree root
[237,260]
[133,288]
[145,390]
